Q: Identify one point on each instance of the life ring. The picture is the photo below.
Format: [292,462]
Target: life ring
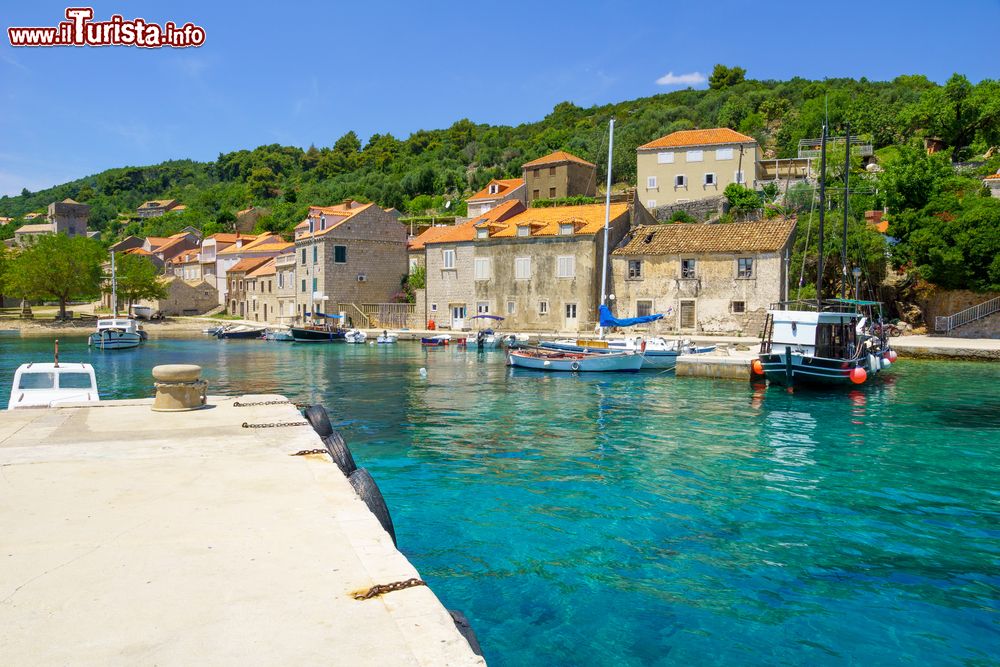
[318,418]
[340,453]
[574,366]
[367,490]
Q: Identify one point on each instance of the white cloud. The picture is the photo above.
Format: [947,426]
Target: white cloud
[689,79]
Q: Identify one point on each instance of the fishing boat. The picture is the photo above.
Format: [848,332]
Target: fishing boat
[542,359]
[240,331]
[837,341]
[45,385]
[386,338]
[319,331]
[355,336]
[116,333]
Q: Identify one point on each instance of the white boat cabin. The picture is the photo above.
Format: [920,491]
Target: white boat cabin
[121,323]
[45,385]
[812,333]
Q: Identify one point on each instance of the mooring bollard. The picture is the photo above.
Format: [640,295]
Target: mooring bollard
[179,388]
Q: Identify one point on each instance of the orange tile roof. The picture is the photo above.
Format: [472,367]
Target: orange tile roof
[157,241]
[466,231]
[338,213]
[222,237]
[136,251]
[186,257]
[556,156]
[157,203]
[676,238]
[266,269]
[171,242]
[710,137]
[248,264]
[587,219]
[993,177]
[506,185]
[261,243]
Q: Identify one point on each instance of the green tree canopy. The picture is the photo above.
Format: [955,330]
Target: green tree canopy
[137,278]
[724,77]
[56,267]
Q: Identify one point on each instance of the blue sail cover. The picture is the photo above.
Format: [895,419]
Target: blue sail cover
[608,320]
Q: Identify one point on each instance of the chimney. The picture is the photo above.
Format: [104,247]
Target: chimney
[347,204]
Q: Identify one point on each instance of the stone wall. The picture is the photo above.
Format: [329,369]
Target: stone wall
[702,209]
[450,286]
[184,298]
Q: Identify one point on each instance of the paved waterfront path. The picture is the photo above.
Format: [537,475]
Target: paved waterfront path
[137,537]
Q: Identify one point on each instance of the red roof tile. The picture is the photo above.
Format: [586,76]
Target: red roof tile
[504,187]
[554,157]
[710,137]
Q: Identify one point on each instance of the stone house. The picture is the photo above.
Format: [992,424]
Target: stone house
[284,268]
[166,248]
[993,183]
[262,297]
[237,293]
[187,266]
[247,219]
[448,253]
[69,217]
[157,207]
[213,268]
[265,245]
[541,269]
[351,253]
[128,243]
[705,278]
[26,234]
[184,297]
[559,174]
[495,193]
[694,164]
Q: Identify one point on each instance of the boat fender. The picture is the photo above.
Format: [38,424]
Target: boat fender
[318,418]
[858,375]
[886,363]
[873,363]
[642,346]
[340,453]
[368,491]
[465,629]
[575,366]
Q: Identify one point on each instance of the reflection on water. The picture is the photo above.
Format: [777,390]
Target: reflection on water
[648,519]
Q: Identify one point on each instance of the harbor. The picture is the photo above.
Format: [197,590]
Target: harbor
[697,508]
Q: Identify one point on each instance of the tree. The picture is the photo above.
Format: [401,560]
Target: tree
[261,182]
[723,77]
[56,267]
[137,278]
[913,178]
[741,198]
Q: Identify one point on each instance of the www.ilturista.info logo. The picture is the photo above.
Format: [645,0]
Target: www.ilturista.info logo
[80,30]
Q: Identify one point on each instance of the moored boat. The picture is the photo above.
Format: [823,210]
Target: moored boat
[240,331]
[41,385]
[116,333]
[439,340]
[355,336]
[317,334]
[278,335]
[573,362]
[386,338]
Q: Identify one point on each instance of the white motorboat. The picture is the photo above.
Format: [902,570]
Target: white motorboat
[116,333]
[279,335]
[45,385]
[355,336]
[386,338]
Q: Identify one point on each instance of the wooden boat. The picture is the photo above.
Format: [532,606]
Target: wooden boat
[116,333]
[317,334]
[573,362]
[439,340]
[654,356]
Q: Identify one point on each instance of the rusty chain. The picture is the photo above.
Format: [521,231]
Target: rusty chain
[379,589]
[306,452]
[275,424]
[300,406]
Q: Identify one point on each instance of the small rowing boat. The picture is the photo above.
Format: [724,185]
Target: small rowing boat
[573,362]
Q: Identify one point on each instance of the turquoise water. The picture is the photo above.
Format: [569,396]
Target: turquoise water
[652,520]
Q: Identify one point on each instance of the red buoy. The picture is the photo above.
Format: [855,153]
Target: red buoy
[892,356]
[858,375]
[757,367]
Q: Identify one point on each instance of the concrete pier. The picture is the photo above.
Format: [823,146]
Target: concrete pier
[138,537]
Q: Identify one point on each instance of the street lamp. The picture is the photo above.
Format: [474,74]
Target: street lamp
[856,272]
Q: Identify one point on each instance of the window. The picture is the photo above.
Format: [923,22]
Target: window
[687,314]
[744,267]
[434,307]
[511,308]
[566,229]
[534,194]
[651,182]
[665,158]
[570,311]
[536,172]
[303,284]
[552,171]
[524,230]
[687,268]
[709,179]
[643,307]
[303,255]
[543,307]
[340,254]
[414,262]
[738,177]
[314,285]
[552,193]
[482,233]
[566,267]
[315,254]
[281,279]
[695,156]
[680,181]
[634,269]
[482,268]
[739,306]
[74,380]
[522,268]
[650,203]
[38,381]
[483,308]
[493,188]
[448,259]
[723,153]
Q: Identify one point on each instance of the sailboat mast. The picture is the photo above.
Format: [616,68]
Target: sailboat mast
[843,247]
[114,287]
[607,217]
[822,210]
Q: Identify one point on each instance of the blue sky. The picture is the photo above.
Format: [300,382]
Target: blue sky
[306,72]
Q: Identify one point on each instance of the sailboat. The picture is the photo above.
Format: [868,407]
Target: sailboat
[116,333]
[582,358]
[836,341]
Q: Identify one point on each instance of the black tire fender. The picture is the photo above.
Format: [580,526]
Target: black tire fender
[368,491]
[465,629]
[317,417]
[340,453]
